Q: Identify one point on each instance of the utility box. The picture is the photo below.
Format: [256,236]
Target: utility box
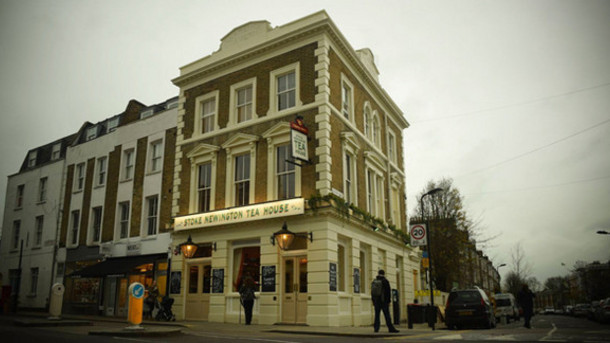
[56,301]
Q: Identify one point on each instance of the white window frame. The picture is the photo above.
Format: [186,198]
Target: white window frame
[203,153]
[151,216]
[395,204]
[198,117]
[129,156]
[113,124]
[39,229]
[348,113]
[233,105]
[147,113]
[19,196]
[238,145]
[32,158]
[273,93]
[376,130]
[121,220]
[79,177]
[55,154]
[102,166]
[172,104]
[91,239]
[365,268]
[42,189]
[74,229]
[276,136]
[392,147]
[350,146]
[374,188]
[241,244]
[92,133]
[367,120]
[156,159]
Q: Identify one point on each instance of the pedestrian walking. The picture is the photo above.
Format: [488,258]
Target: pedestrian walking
[526,300]
[381,296]
[247,296]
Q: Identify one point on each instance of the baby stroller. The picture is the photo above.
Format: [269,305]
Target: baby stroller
[165,310]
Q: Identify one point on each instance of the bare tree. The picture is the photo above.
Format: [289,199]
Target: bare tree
[521,267]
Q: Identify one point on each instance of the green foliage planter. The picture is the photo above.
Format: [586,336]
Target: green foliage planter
[316,202]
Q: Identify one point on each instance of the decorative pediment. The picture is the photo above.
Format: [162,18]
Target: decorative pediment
[281,128]
[349,139]
[396,179]
[239,140]
[374,158]
[202,149]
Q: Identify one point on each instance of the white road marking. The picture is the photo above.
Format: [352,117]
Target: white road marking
[549,335]
[449,338]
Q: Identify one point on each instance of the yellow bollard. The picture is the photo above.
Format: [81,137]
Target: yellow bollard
[136,303]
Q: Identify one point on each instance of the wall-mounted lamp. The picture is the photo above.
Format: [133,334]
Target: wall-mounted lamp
[284,237]
[188,248]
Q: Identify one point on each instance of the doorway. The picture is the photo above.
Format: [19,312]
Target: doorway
[198,288]
[294,297]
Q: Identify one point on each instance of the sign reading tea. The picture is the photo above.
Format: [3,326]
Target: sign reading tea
[268,210]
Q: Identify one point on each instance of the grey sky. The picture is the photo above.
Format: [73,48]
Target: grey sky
[502,96]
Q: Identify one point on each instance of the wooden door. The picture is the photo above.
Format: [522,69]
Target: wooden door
[198,288]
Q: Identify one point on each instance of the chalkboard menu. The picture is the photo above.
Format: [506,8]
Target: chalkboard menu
[356,280]
[332,279]
[174,283]
[218,280]
[268,279]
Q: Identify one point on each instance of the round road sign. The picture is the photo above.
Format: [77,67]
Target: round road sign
[418,232]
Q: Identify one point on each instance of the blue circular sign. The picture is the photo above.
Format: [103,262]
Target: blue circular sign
[137,290]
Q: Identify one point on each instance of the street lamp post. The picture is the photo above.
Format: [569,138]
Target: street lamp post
[500,276]
[431,317]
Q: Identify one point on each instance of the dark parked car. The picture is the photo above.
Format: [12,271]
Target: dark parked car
[581,310]
[469,307]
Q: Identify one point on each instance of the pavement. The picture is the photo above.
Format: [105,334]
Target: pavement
[159,328]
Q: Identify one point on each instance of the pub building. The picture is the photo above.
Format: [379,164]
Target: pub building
[288,167]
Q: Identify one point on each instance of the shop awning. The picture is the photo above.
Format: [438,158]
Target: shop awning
[119,266]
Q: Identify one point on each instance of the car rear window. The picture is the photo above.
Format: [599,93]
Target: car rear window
[464,297]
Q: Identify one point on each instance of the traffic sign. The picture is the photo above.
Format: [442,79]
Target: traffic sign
[418,235]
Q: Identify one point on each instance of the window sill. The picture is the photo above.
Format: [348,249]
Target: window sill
[149,237]
[154,172]
[126,180]
[18,208]
[41,202]
[77,191]
[38,247]
[31,295]
[99,186]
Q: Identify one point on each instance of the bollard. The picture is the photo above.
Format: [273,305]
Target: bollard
[56,301]
[504,320]
[135,306]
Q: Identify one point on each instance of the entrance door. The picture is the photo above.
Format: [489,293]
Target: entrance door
[198,290]
[294,298]
[110,299]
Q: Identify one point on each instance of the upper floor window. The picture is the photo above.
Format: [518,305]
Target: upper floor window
[79,181]
[172,104]
[92,132]
[19,197]
[156,152]
[350,148]
[206,113]
[374,193]
[240,169]
[147,113]
[32,158]
[367,122]
[285,88]
[349,178]
[101,171]
[128,157]
[152,204]
[96,224]
[16,233]
[376,130]
[285,172]
[392,147]
[55,153]
[123,219]
[204,187]
[244,104]
[347,98]
[74,228]
[39,228]
[242,180]
[42,190]
[113,123]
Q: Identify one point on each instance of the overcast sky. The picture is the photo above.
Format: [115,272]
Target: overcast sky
[511,98]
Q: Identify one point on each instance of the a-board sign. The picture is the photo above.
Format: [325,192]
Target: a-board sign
[356,280]
[218,280]
[268,279]
[332,278]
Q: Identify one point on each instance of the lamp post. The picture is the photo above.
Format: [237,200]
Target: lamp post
[500,276]
[432,317]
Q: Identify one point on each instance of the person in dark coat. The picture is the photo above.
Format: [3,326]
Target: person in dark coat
[246,293]
[526,300]
[382,303]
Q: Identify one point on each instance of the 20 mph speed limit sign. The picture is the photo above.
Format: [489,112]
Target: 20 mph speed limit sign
[418,235]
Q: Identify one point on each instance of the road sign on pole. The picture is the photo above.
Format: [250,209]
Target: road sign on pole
[418,235]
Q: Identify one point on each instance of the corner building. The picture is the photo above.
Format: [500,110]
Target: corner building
[236,183]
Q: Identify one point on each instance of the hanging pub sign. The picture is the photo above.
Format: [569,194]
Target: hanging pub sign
[298,139]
